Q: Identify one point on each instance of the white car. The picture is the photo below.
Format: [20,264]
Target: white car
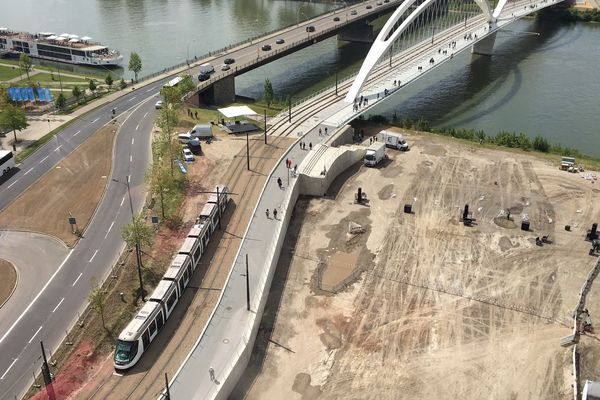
[187,155]
[158,105]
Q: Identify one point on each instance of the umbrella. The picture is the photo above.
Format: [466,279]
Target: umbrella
[52,37]
[86,38]
[73,37]
[64,35]
[61,39]
[73,40]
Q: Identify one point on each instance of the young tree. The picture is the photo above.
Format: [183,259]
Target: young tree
[77,92]
[25,64]
[158,180]
[97,299]
[122,84]
[4,98]
[137,232]
[186,85]
[109,81]
[268,94]
[92,86]
[13,118]
[135,64]
[60,101]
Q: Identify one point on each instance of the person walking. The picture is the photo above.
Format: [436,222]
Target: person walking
[267,212]
[320,132]
[275,213]
[279,183]
[310,146]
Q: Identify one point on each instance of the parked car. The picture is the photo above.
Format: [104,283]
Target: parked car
[369,7]
[353,12]
[310,28]
[229,61]
[379,3]
[225,67]
[266,47]
[203,77]
[386,1]
[158,105]
[280,41]
[184,138]
[336,19]
[187,155]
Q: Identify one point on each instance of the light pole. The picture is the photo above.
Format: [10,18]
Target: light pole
[135,233]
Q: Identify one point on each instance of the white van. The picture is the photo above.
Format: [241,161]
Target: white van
[207,68]
[184,138]
[201,131]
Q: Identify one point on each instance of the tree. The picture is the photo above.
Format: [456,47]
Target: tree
[60,101]
[77,92]
[137,232]
[97,299]
[541,144]
[109,81]
[122,84]
[186,85]
[268,94]
[4,98]
[135,64]
[13,118]
[25,64]
[92,86]
[158,180]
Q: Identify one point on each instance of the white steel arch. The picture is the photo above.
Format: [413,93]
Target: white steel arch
[381,45]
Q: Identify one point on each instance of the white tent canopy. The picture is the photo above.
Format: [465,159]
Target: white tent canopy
[236,111]
[86,38]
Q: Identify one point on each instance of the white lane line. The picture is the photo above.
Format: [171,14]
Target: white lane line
[145,115]
[44,159]
[94,121]
[109,228]
[132,99]
[56,149]
[8,369]
[76,133]
[149,90]
[130,159]
[81,273]
[137,127]
[132,140]
[58,305]
[35,334]
[122,200]
[96,252]
[12,184]
[36,297]
[28,171]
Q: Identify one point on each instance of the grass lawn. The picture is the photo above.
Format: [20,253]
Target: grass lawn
[7,73]
[45,79]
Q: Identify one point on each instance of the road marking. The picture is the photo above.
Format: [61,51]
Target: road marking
[96,252]
[56,149]
[149,90]
[8,369]
[132,140]
[130,159]
[12,184]
[132,99]
[81,273]
[109,228]
[58,305]
[122,200]
[28,171]
[94,121]
[76,133]
[145,115]
[44,159]
[35,334]
[137,127]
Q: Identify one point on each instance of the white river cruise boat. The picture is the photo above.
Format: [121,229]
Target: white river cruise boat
[66,48]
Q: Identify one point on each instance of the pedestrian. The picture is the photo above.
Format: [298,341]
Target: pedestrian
[295,169]
[320,133]
[370,140]
[275,213]
[196,114]
[310,145]
[280,183]
[267,212]
[326,130]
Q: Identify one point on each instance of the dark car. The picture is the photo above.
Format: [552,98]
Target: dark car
[353,12]
[310,28]
[280,41]
[229,61]
[386,1]
[336,19]
[369,7]
[266,47]
[203,77]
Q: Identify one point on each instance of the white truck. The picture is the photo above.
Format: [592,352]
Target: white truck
[393,140]
[375,153]
[201,131]
[207,68]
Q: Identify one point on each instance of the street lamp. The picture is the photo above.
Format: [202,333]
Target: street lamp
[135,232]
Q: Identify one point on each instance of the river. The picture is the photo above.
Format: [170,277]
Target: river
[544,84]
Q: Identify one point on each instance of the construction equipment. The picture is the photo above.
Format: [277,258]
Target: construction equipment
[467,218]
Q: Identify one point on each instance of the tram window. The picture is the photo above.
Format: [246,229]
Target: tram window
[159,321]
[171,300]
[152,327]
[198,253]
[146,339]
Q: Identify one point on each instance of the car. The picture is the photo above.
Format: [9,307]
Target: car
[336,19]
[266,47]
[229,61]
[379,3]
[353,12]
[386,1]
[187,155]
[280,41]
[203,77]
[158,105]
[310,28]
[225,67]
[369,7]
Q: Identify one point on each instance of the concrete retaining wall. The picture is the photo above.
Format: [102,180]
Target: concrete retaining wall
[317,185]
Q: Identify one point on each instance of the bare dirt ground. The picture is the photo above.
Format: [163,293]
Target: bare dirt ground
[441,310]
[75,185]
[8,281]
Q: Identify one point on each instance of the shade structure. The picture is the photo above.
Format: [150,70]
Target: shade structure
[236,111]
[52,37]
[73,36]
[86,38]
[73,40]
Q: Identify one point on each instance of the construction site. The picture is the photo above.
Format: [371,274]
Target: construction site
[410,294]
